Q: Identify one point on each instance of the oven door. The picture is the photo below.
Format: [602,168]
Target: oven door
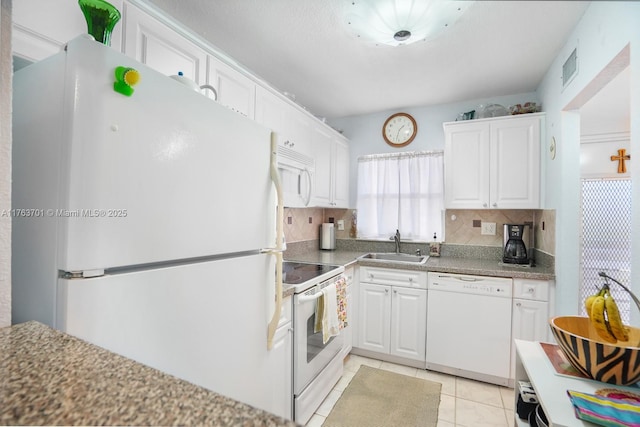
[311,356]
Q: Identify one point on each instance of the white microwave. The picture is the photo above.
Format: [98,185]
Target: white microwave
[296,174]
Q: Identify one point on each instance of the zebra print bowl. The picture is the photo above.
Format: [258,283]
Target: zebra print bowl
[595,358]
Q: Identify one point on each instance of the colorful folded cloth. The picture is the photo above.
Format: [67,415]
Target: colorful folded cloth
[341,291]
[605,411]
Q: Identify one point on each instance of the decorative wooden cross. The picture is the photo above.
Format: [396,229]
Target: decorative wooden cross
[620,158]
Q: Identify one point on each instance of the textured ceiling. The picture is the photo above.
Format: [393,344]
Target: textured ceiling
[302,47]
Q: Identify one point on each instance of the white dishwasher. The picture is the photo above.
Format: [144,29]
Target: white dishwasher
[469,326]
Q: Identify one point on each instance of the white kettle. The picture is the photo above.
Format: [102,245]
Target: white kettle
[193,85]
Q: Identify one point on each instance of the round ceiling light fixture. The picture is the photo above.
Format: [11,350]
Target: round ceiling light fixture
[402,22]
[402,35]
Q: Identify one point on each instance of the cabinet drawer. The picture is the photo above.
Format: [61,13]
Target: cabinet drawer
[536,290]
[394,277]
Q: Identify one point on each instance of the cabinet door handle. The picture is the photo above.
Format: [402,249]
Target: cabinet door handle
[495,205]
[395,292]
[386,291]
[518,304]
[484,205]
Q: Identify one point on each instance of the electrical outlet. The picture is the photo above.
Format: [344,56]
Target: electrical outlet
[341,224]
[488,228]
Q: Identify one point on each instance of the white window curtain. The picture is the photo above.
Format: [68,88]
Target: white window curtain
[403,191]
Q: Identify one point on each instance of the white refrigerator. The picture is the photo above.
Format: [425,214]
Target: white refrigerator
[147,224]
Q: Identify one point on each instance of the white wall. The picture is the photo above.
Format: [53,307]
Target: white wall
[365,132]
[5,162]
[605,30]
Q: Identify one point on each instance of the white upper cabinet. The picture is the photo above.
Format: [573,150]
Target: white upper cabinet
[341,173]
[41,28]
[235,90]
[322,152]
[293,126]
[161,48]
[331,153]
[270,111]
[493,163]
[466,172]
[299,131]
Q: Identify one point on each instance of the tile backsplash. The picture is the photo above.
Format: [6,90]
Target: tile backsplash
[464,226]
[302,224]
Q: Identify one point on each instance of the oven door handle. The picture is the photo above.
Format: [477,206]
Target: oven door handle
[304,298]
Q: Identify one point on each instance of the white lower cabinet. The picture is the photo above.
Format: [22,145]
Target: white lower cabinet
[374,318]
[408,322]
[392,313]
[530,314]
[282,352]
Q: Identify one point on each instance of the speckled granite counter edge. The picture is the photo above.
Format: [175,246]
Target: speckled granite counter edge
[459,259]
[51,378]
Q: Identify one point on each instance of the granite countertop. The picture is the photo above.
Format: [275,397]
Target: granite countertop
[487,267]
[444,264]
[50,378]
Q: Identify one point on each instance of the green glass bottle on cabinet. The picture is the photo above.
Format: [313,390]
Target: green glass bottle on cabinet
[101,18]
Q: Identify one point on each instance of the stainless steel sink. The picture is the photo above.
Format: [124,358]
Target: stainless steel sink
[394,258]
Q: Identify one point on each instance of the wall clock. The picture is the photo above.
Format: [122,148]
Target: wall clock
[399,129]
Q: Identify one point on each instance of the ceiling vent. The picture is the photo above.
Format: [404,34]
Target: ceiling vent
[570,68]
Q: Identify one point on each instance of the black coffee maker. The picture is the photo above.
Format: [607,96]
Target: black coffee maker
[515,251]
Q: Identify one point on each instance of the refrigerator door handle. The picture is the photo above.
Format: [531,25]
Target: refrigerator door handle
[271,251]
[277,252]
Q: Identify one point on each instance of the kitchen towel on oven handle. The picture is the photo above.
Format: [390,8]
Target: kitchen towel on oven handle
[326,315]
[330,327]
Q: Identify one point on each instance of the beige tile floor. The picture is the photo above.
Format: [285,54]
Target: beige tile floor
[463,402]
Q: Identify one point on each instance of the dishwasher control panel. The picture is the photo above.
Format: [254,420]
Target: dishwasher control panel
[477,285]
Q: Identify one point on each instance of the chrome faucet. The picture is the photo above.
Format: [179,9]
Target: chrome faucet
[396,239]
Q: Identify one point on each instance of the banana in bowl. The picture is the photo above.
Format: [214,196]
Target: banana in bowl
[595,356]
